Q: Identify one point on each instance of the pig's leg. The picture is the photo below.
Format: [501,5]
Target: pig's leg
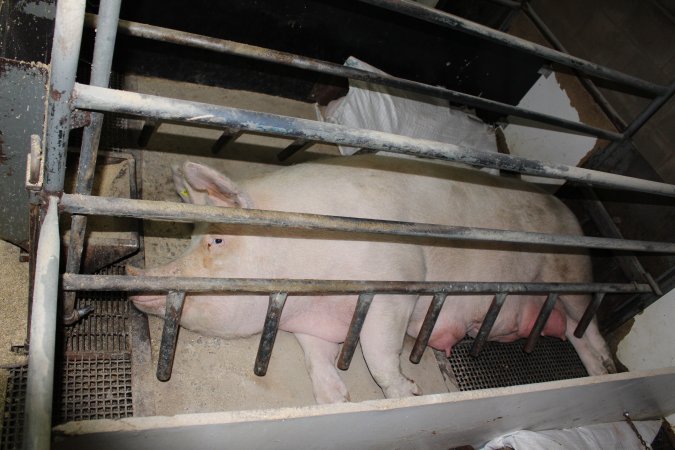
[382,340]
[320,358]
[592,349]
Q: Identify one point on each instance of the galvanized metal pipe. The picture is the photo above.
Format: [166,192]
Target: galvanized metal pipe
[269,333]
[258,286]
[591,309]
[448,20]
[167,349]
[184,212]
[65,54]
[40,388]
[301,62]
[542,318]
[101,65]
[349,345]
[100,99]
[427,327]
[488,323]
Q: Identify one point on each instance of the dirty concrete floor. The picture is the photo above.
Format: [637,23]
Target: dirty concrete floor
[211,374]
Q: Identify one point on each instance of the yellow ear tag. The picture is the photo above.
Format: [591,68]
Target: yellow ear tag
[185,193]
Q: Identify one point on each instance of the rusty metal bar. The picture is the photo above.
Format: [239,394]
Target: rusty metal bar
[542,318]
[149,129]
[298,146]
[588,314]
[184,212]
[104,45]
[427,327]
[228,137]
[349,346]
[101,99]
[448,20]
[269,333]
[167,349]
[301,62]
[78,282]
[488,323]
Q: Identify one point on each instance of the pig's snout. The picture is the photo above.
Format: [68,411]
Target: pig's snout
[148,303]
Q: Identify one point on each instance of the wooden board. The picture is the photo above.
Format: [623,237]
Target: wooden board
[433,421]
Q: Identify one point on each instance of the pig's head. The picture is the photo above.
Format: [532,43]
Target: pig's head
[208,248]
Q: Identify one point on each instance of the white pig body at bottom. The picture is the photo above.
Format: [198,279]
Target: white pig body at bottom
[377,187]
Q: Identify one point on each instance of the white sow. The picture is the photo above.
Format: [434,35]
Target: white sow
[390,189]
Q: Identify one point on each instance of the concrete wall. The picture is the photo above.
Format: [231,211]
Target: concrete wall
[632,36]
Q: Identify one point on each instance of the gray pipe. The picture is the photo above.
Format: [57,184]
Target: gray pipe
[65,54]
[40,390]
[100,99]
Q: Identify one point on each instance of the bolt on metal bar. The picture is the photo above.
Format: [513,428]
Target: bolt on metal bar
[40,388]
[104,45]
[261,286]
[305,63]
[448,20]
[542,318]
[65,54]
[167,349]
[269,333]
[349,345]
[591,309]
[184,212]
[488,323]
[101,99]
[427,327]
[597,95]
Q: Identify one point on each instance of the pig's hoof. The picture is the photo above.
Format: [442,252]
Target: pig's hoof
[334,394]
[404,388]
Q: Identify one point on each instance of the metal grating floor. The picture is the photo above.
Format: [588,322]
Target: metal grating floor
[506,364]
[95,381]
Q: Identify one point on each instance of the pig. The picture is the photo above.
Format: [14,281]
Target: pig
[389,188]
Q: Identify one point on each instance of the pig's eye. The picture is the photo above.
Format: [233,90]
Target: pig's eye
[218,241]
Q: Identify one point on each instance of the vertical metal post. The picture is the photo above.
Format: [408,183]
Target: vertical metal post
[348,347]
[149,128]
[542,318]
[488,323]
[40,389]
[427,327]
[588,314]
[106,32]
[65,54]
[167,349]
[228,137]
[269,333]
[300,145]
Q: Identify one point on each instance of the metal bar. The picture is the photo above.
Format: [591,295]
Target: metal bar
[101,99]
[149,129]
[349,346]
[630,264]
[488,323]
[448,20]
[542,318]
[298,146]
[65,54]
[228,137]
[597,95]
[508,3]
[104,45]
[269,333]
[167,349]
[184,212]
[304,63]
[78,282]
[40,388]
[427,327]
[588,314]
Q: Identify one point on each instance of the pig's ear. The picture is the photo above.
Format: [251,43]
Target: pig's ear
[206,186]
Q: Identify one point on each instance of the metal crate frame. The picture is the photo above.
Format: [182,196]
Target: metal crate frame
[68,100]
